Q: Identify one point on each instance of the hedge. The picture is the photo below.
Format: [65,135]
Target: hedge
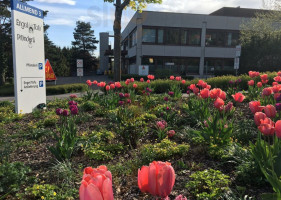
[164,85]
[8,90]
[138,77]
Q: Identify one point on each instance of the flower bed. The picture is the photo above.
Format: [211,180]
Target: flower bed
[145,140]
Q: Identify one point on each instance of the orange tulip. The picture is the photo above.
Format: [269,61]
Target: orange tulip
[238,97]
[96,184]
[157,179]
[270,111]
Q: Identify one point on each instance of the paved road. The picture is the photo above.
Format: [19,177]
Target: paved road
[68,80]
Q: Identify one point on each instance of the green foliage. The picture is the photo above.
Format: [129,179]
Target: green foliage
[12,176]
[48,192]
[162,151]
[208,184]
[66,141]
[6,104]
[130,126]
[269,158]
[99,145]
[243,130]
[50,120]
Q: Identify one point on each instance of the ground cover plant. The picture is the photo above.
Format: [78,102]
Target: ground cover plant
[148,139]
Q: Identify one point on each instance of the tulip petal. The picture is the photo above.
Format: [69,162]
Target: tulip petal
[107,191]
[152,182]
[92,193]
[143,178]
[166,180]
[82,190]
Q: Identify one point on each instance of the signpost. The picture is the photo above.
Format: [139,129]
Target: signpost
[28,56]
[79,64]
[237,58]
[143,70]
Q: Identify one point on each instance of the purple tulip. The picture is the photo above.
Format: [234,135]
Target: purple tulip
[65,113]
[74,110]
[121,95]
[166,98]
[72,103]
[278,98]
[59,111]
[278,106]
[171,93]
[121,103]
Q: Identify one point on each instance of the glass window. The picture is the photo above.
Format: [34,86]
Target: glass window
[215,38]
[149,35]
[130,41]
[232,39]
[194,37]
[184,35]
[172,36]
[160,36]
[134,38]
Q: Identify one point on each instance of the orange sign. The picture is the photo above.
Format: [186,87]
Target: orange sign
[50,74]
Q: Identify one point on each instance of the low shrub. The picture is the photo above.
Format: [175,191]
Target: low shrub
[164,150]
[89,106]
[12,176]
[208,184]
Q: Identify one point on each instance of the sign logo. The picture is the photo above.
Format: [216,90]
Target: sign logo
[41,84]
[40,66]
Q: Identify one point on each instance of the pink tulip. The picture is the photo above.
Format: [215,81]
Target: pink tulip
[259,84]
[267,127]
[238,97]
[258,117]
[183,81]
[171,133]
[251,82]
[135,85]
[270,111]
[205,93]
[96,184]
[157,179]
[255,106]
[172,77]
[141,80]
[278,128]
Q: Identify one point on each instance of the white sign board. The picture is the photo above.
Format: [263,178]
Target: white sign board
[236,63]
[238,51]
[28,56]
[143,70]
[80,71]
[79,63]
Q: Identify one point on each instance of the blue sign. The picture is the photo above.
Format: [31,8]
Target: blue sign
[27,9]
[40,66]
[41,84]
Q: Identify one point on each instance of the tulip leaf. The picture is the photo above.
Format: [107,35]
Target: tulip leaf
[270,196]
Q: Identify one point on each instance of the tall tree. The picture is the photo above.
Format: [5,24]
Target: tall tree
[84,44]
[84,37]
[119,7]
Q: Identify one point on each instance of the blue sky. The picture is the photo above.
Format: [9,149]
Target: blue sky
[63,14]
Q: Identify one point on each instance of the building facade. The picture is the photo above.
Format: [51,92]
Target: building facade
[182,43]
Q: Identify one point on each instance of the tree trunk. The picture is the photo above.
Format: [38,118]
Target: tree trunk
[117,43]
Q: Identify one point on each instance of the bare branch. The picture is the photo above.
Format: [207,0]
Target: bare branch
[124,4]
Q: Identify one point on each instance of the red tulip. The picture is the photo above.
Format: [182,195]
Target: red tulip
[238,97]
[172,77]
[132,79]
[171,133]
[107,87]
[183,81]
[274,83]
[178,78]
[270,111]
[251,82]
[95,82]
[277,78]
[278,128]
[267,127]
[267,91]
[218,103]
[102,84]
[135,85]
[157,179]
[255,106]
[258,116]
[96,184]
[279,73]
[208,87]
[141,80]
[181,197]
[264,81]
[259,84]
[112,86]
[253,74]
[192,86]
[195,90]
[264,77]
[205,93]
[89,82]
[275,88]
[215,93]
[148,81]
[118,84]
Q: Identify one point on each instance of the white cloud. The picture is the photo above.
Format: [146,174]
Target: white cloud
[69,2]
[202,6]
[60,21]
